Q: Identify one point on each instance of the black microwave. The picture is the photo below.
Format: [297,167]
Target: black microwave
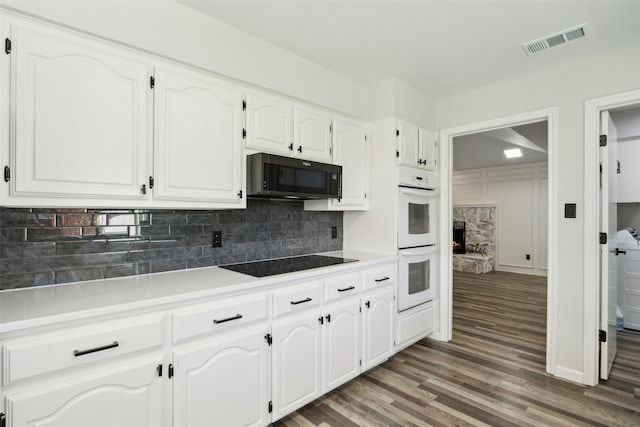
[277,177]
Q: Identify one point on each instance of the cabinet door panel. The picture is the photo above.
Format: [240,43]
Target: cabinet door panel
[312,135]
[297,366]
[224,382]
[80,122]
[351,150]
[378,319]
[198,138]
[428,149]
[129,396]
[269,125]
[341,344]
[408,144]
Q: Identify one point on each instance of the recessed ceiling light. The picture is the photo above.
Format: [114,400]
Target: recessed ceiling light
[515,152]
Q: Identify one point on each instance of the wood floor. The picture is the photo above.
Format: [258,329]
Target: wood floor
[491,374]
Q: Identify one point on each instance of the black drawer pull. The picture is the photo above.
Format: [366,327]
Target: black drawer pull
[77,353]
[301,301]
[346,289]
[382,280]
[228,319]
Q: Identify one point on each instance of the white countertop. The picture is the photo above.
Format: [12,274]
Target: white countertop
[43,305]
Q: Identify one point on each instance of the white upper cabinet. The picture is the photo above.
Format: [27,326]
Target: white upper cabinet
[416,146]
[312,134]
[279,127]
[408,144]
[198,131]
[351,151]
[269,124]
[79,116]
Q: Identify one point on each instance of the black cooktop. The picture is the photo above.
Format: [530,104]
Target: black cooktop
[285,265]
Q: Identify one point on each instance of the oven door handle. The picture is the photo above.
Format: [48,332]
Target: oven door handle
[423,250]
[414,192]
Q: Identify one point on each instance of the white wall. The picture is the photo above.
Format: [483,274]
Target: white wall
[566,87]
[170,29]
[519,192]
[396,97]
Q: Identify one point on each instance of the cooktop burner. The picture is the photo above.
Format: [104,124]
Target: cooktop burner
[285,265]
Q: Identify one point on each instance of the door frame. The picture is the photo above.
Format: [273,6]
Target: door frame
[592,129]
[444,331]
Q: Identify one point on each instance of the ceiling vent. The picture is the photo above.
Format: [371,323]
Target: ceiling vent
[553,40]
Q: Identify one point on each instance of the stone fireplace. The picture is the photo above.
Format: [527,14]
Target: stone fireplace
[474,242]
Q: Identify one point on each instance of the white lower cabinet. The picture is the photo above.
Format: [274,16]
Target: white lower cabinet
[297,365]
[223,381]
[341,343]
[243,360]
[128,395]
[378,310]
[414,324]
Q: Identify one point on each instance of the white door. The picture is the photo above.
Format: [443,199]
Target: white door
[198,154]
[297,364]
[223,381]
[608,261]
[408,144]
[351,151]
[128,396]
[269,124]
[341,343]
[312,134]
[377,327]
[79,116]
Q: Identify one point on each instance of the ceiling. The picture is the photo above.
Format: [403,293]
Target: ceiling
[481,150]
[441,47]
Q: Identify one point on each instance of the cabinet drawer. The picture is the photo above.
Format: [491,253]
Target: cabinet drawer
[295,298]
[71,347]
[343,286]
[378,277]
[218,315]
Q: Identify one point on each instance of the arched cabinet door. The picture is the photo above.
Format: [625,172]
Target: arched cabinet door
[198,147]
[129,395]
[223,380]
[297,364]
[80,116]
[377,327]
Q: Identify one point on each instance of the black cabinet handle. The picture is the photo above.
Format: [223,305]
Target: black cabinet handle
[382,280]
[368,304]
[301,301]
[291,146]
[321,320]
[346,289]
[300,149]
[618,252]
[328,317]
[228,319]
[77,353]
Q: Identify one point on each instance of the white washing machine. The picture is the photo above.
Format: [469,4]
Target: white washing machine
[629,277]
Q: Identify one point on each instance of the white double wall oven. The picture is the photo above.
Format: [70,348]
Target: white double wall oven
[417,238]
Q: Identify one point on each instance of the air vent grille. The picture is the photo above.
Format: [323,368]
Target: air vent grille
[557,39]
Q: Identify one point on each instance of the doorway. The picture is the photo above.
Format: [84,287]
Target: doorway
[446,214]
[593,313]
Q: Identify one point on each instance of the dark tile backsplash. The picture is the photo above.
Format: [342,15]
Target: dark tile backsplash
[47,246]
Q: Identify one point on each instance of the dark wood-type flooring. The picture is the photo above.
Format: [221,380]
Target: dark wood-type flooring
[492,372]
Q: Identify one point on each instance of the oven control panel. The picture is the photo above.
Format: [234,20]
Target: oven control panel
[417,178]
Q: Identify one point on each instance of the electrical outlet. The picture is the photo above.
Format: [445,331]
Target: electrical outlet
[334,232]
[217,239]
